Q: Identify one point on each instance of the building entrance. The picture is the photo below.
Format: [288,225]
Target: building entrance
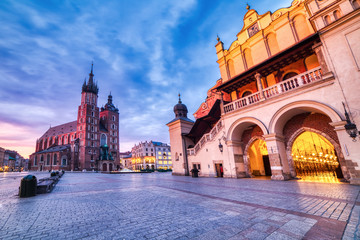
[315,158]
[219,170]
[259,164]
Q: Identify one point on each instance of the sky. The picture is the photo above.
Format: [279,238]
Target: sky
[144,52]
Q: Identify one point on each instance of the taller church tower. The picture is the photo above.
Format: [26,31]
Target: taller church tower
[88,124]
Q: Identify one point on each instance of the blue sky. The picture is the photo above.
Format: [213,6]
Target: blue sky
[144,51]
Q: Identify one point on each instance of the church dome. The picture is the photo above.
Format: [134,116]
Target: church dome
[180,109]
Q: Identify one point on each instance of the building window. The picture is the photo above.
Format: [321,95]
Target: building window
[48,159]
[63,161]
[103,139]
[92,114]
[160,162]
[35,160]
[337,14]
[113,118]
[327,20]
[356,3]
[55,160]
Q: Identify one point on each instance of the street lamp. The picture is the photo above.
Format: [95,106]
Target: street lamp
[350,127]
[221,148]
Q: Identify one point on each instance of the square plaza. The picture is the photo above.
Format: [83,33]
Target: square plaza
[163,206]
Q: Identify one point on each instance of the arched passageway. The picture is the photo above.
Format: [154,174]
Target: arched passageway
[315,158]
[259,164]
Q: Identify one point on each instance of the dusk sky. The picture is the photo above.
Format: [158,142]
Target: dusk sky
[144,51]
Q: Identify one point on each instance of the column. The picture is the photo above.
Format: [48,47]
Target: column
[277,155]
[236,158]
[259,85]
[318,49]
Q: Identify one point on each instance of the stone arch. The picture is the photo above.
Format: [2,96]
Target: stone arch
[237,127]
[331,140]
[286,112]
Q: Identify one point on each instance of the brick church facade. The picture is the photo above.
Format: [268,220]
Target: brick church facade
[89,143]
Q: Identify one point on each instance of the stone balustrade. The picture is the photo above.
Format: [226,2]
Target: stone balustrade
[285,86]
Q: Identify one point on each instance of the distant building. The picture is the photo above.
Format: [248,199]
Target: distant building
[287,103]
[12,161]
[125,160]
[151,155]
[89,143]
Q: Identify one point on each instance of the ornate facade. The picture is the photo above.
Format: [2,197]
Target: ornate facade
[91,142]
[287,96]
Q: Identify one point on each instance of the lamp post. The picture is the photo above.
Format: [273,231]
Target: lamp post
[221,148]
[350,127]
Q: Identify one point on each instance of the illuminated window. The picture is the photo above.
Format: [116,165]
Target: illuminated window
[165,162]
[159,153]
[160,162]
[170,162]
[169,157]
[160,157]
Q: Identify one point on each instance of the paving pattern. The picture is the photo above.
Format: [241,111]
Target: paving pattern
[162,206]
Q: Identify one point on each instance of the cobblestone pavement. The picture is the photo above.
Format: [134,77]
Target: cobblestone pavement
[162,206]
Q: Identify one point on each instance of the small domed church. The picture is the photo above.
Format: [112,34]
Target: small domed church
[89,143]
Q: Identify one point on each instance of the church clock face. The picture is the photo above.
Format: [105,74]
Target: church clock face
[253,30]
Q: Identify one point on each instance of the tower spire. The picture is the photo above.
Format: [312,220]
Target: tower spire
[179,98]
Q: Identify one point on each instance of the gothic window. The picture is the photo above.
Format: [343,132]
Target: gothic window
[92,120]
[55,159]
[42,158]
[35,160]
[92,136]
[103,139]
[113,118]
[92,107]
[48,159]
[92,114]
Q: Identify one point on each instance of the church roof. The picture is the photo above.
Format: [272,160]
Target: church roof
[55,148]
[60,129]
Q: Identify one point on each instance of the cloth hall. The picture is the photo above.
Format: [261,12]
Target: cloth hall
[287,103]
[89,143]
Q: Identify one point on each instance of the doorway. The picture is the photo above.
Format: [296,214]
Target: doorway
[267,167]
[219,170]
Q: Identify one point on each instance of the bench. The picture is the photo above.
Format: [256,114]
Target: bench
[45,185]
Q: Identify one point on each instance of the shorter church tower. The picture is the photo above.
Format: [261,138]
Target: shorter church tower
[109,121]
[178,127]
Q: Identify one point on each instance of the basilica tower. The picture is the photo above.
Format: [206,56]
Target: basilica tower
[88,124]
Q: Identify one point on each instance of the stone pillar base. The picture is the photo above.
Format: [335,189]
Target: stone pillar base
[355,181]
[241,175]
[280,176]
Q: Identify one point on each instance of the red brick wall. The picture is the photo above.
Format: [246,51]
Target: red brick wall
[316,121]
[248,134]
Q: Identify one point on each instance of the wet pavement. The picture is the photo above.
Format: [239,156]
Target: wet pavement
[162,206]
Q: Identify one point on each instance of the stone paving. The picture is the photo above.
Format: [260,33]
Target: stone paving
[162,206]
